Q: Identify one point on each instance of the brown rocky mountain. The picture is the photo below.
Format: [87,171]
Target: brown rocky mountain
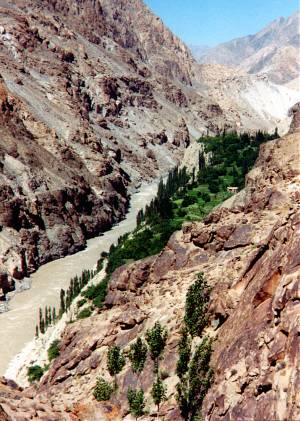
[89,102]
[274,51]
[248,249]
[96,96]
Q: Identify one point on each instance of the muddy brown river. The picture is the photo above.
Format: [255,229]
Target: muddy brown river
[17,326]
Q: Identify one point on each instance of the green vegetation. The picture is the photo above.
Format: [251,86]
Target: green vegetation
[115,362]
[103,390]
[196,306]
[136,402]
[231,156]
[184,351]
[185,197]
[81,302]
[193,370]
[97,293]
[46,319]
[158,393]
[194,385]
[53,350]
[156,339]
[34,373]
[49,317]
[224,161]
[83,314]
[154,225]
[137,355]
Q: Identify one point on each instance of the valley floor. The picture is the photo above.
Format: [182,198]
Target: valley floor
[19,323]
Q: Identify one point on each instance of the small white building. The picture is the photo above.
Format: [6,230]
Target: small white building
[232,190]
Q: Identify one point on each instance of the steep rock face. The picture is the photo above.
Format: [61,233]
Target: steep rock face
[248,249]
[76,95]
[92,99]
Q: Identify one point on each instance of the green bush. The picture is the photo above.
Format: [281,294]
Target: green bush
[34,373]
[103,390]
[158,393]
[136,402]
[156,339]
[97,292]
[196,305]
[115,362]
[86,312]
[193,387]
[53,350]
[137,355]
[184,351]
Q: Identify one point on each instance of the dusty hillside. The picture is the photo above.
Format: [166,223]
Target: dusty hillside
[87,110]
[234,89]
[248,250]
[95,97]
[273,51]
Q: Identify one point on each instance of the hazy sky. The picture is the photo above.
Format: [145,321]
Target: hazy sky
[209,22]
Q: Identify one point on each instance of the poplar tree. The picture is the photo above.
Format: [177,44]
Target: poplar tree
[115,362]
[158,393]
[137,356]
[62,302]
[41,321]
[156,339]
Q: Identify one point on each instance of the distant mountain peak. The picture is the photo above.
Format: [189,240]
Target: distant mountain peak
[274,51]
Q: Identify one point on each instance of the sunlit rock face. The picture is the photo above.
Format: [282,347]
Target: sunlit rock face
[96,96]
[248,250]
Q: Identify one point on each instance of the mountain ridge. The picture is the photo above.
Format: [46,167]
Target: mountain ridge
[110,99]
[247,249]
[273,51]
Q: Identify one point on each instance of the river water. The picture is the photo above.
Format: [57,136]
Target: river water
[17,326]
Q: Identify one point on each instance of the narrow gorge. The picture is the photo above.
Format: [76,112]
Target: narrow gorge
[149,221]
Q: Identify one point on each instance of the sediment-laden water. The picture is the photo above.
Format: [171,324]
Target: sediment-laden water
[17,326]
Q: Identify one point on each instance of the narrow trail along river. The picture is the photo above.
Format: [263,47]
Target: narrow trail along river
[17,326]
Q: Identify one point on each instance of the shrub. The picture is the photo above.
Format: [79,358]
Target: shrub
[115,361]
[204,196]
[137,355]
[136,402]
[97,293]
[184,351]
[213,186]
[103,390]
[188,200]
[86,312]
[156,338]
[192,388]
[53,350]
[158,393]
[34,373]
[99,264]
[196,306]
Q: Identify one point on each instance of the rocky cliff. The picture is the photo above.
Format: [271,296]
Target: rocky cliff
[248,249]
[83,108]
[96,96]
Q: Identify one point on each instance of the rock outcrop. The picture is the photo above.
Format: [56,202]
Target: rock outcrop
[82,86]
[248,249]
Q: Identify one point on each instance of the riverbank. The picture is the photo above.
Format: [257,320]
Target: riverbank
[19,323]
